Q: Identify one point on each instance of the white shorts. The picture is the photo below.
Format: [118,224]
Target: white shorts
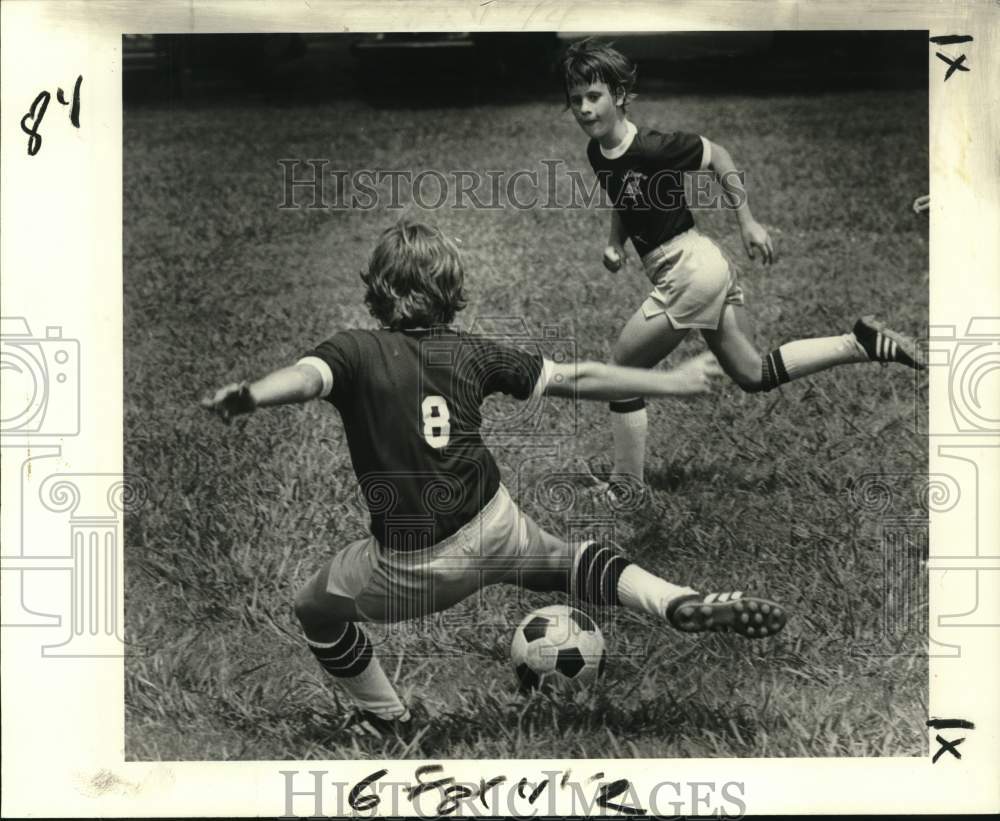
[498,546]
[692,281]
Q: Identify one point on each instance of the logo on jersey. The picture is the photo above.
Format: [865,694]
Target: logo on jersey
[632,187]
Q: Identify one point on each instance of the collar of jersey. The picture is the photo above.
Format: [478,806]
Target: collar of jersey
[623,146]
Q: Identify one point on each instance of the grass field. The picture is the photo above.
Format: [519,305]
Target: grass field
[749,491]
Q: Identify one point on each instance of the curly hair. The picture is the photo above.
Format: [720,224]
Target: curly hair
[589,61]
[414,278]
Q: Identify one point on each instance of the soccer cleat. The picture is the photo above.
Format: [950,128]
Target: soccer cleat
[604,493]
[620,492]
[885,345]
[402,728]
[726,612]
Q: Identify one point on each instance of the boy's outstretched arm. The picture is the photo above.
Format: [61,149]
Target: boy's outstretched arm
[297,383]
[595,380]
[755,236]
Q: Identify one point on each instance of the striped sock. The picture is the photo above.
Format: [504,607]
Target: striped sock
[804,357]
[596,572]
[603,576]
[628,426]
[350,660]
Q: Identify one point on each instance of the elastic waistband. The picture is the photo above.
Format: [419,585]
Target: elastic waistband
[670,246]
[466,534]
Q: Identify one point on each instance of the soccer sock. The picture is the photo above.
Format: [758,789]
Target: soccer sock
[639,589]
[628,425]
[602,576]
[596,571]
[803,357]
[350,660]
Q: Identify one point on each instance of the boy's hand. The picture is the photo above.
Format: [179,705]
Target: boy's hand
[614,258]
[698,372]
[230,401]
[756,238]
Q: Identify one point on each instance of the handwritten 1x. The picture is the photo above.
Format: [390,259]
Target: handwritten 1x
[37,113]
[951,40]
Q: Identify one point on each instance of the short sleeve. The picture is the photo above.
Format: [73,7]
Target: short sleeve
[681,151]
[341,354]
[509,370]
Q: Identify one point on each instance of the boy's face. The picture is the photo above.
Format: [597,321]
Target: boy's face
[596,109]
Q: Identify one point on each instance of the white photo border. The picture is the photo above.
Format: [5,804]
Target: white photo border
[63,727]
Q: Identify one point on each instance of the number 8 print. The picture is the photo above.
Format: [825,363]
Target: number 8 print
[437,421]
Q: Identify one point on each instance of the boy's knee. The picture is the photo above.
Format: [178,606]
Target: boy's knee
[310,609]
[747,379]
[749,385]
[753,378]
[318,610]
[305,609]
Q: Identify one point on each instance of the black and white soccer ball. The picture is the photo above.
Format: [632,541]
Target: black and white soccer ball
[557,645]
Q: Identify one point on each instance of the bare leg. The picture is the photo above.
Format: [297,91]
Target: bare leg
[600,575]
[644,343]
[731,343]
[320,612]
[343,650]
[592,573]
[732,346]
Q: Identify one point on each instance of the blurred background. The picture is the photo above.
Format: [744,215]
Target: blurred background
[469,68]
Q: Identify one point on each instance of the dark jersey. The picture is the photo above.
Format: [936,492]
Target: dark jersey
[646,184]
[410,403]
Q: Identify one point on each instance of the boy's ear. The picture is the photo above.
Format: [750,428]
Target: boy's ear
[619,97]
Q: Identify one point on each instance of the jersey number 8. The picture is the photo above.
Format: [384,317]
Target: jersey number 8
[437,421]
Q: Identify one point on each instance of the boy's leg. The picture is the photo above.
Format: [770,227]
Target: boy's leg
[603,576]
[732,346]
[364,583]
[643,343]
[598,574]
[340,645]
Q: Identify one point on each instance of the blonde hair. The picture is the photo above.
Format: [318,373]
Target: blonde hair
[414,278]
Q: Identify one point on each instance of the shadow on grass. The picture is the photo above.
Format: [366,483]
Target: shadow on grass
[674,476]
[524,726]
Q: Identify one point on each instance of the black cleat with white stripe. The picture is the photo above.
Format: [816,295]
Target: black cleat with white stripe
[885,345]
[746,616]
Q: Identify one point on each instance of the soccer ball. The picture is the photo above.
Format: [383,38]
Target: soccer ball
[557,645]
